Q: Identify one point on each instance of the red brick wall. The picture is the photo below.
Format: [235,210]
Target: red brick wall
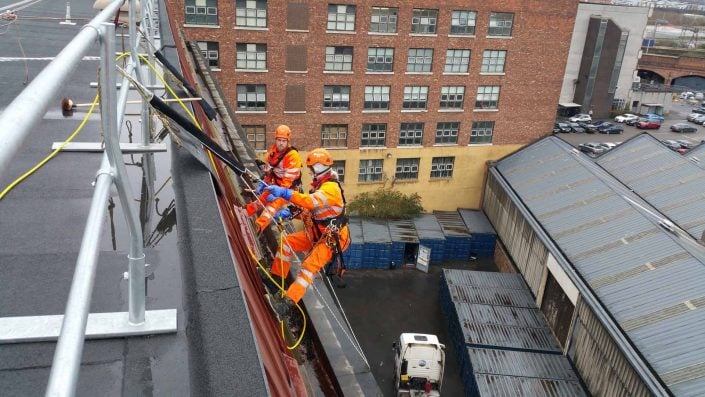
[537,54]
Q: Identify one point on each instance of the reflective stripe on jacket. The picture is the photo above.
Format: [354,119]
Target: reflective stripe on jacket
[285,172]
[324,203]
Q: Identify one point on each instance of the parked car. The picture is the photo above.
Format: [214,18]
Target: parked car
[592,148]
[576,127]
[700,110]
[673,145]
[697,118]
[608,145]
[623,118]
[593,127]
[632,121]
[686,144]
[683,127]
[647,124]
[654,116]
[561,127]
[611,129]
[580,117]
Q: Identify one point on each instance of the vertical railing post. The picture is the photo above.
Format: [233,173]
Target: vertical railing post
[112,149]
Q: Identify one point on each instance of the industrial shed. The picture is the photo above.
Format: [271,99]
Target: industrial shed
[697,155]
[621,288]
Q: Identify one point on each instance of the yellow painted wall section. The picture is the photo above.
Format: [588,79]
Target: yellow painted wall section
[462,190]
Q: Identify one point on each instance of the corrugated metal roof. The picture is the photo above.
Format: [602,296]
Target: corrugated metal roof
[698,152]
[428,228]
[451,223]
[375,231]
[510,386]
[476,221]
[484,279]
[524,364]
[403,231]
[652,283]
[669,181]
[491,296]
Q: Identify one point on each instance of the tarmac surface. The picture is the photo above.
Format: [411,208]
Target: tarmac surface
[382,304]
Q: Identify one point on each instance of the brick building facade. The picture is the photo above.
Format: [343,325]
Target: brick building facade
[415,94]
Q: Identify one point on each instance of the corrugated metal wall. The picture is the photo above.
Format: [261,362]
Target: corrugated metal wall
[603,367]
[522,244]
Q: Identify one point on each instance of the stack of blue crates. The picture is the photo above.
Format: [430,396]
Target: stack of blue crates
[431,235]
[483,236]
[456,234]
[403,233]
[353,255]
[377,251]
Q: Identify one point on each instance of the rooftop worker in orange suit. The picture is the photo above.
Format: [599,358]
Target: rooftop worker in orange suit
[325,231]
[282,168]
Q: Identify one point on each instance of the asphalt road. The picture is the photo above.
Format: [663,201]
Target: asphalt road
[678,114]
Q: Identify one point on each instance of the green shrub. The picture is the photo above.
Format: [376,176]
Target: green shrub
[386,203]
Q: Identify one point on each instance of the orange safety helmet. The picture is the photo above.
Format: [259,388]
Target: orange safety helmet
[319,156]
[282,131]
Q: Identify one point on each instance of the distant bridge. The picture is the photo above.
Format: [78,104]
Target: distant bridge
[667,69]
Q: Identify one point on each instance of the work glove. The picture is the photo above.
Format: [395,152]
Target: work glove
[260,187]
[278,191]
[283,214]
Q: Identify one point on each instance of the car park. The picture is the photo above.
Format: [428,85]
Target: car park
[700,110]
[654,116]
[580,117]
[632,121]
[611,129]
[576,127]
[608,145]
[593,127]
[561,127]
[623,118]
[686,144]
[696,118]
[592,148]
[673,145]
[683,127]
[647,124]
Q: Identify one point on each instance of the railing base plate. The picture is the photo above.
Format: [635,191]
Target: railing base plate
[99,326]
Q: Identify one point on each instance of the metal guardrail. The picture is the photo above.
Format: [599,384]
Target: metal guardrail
[26,111]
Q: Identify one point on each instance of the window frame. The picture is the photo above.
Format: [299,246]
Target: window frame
[253,133]
[247,94]
[425,57]
[341,94]
[370,92]
[456,15]
[373,135]
[449,131]
[337,15]
[341,135]
[255,56]
[211,48]
[487,100]
[420,28]
[339,168]
[381,23]
[414,139]
[501,28]
[407,169]
[330,59]
[462,66]
[377,167]
[478,132]
[449,97]
[209,13]
[440,167]
[257,14]
[373,53]
[414,97]
[487,61]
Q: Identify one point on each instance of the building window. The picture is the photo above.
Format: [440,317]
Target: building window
[339,168]
[487,97]
[376,97]
[407,169]
[384,20]
[419,60]
[411,134]
[341,17]
[370,171]
[380,59]
[251,56]
[336,97]
[256,136]
[334,135]
[251,97]
[619,104]
[415,97]
[200,12]
[447,132]
[493,61]
[500,24]
[339,59]
[462,22]
[481,132]
[251,13]
[452,97]
[209,51]
[442,167]
[457,61]
[424,21]
[374,135]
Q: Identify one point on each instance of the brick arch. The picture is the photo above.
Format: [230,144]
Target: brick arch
[671,67]
[658,73]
